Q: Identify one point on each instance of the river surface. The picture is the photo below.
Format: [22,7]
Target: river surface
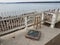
[17,9]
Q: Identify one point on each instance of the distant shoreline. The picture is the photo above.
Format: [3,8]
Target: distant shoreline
[29,2]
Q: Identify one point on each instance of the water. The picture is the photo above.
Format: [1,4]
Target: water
[17,9]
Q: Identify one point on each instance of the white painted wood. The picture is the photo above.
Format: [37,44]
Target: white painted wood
[42,18]
[53,20]
[26,23]
[57,15]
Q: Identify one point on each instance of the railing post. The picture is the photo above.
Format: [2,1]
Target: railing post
[26,23]
[42,18]
[53,20]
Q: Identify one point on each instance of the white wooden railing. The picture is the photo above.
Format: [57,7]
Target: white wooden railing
[23,21]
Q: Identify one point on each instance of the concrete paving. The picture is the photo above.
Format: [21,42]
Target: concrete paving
[18,37]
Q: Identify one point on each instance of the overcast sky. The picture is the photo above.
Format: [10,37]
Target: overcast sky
[24,0]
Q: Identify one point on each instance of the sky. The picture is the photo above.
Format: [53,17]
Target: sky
[25,0]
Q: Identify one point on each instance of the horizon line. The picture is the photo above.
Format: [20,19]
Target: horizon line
[30,2]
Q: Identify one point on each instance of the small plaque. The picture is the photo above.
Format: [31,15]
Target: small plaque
[33,34]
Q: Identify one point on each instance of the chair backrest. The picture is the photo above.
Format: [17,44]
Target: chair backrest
[37,22]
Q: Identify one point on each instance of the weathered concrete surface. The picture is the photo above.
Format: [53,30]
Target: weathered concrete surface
[18,38]
[54,41]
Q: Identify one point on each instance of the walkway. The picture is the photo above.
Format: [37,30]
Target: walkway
[18,38]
